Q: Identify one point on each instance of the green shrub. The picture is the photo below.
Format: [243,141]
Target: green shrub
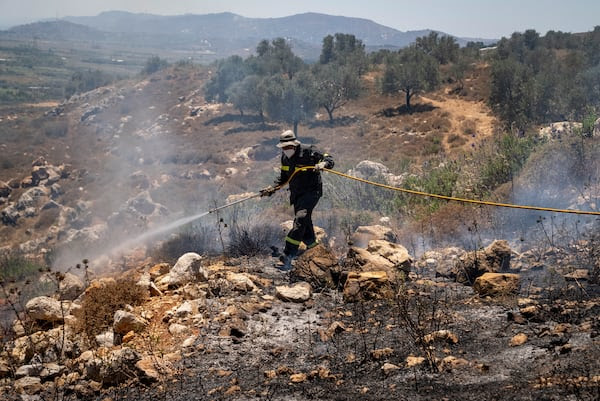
[509,155]
[16,267]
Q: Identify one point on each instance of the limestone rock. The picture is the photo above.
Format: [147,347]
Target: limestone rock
[366,285]
[494,258]
[28,385]
[494,284]
[241,282]
[46,309]
[70,287]
[124,322]
[519,339]
[300,292]
[363,234]
[318,267]
[188,268]
[5,189]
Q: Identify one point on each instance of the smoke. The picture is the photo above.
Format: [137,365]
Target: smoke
[145,182]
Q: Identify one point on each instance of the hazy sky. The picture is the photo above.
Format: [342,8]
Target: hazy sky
[464,18]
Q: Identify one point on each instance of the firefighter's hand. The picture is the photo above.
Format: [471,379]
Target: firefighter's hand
[268,191]
[320,166]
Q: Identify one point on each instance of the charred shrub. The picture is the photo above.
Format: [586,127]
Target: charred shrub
[102,300]
[197,240]
[56,129]
[252,240]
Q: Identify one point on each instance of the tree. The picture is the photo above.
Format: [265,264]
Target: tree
[344,49]
[335,86]
[248,95]
[291,101]
[444,49]
[276,57]
[228,72]
[512,92]
[411,72]
[154,64]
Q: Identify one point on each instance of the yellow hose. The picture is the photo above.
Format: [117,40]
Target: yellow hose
[449,198]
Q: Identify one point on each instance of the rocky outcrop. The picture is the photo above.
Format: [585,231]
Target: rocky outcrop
[492,259]
[380,255]
[366,285]
[318,267]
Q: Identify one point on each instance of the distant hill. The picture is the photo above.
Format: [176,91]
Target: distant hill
[308,27]
[217,35]
[56,30]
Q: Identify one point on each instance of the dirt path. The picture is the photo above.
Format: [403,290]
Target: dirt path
[466,116]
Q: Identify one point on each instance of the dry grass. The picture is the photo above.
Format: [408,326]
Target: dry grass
[101,301]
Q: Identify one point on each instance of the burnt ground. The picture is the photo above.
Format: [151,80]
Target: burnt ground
[326,349]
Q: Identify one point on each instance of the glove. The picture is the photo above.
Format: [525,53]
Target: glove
[268,191]
[320,166]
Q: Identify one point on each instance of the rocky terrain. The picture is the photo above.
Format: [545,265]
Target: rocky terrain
[469,304]
[374,324]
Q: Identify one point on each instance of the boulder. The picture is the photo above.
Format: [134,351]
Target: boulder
[188,268]
[318,267]
[106,339]
[494,258]
[70,287]
[115,368]
[32,197]
[596,131]
[364,234]
[28,385]
[496,284]
[300,292]
[124,322]
[5,190]
[381,255]
[151,369]
[241,282]
[46,309]
[10,215]
[366,285]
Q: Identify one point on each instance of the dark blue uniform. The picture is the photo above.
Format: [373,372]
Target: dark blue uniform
[306,188]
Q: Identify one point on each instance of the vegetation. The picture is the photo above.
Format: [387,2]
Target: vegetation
[542,79]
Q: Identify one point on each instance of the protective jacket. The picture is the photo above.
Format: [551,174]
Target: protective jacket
[304,181]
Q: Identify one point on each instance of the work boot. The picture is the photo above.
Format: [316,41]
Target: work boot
[285,263]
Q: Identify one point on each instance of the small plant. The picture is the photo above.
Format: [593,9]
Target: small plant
[100,303]
[56,129]
[252,240]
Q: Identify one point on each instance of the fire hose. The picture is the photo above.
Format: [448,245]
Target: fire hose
[413,192]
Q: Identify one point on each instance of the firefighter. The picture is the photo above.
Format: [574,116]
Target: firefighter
[306,188]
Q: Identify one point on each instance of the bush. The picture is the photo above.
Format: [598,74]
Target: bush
[200,241]
[154,64]
[56,129]
[16,267]
[101,302]
[252,240]
[510,154]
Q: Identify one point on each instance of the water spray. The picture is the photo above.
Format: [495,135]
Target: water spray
[173,225]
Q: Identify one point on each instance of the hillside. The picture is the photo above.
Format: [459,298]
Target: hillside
[394,305]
